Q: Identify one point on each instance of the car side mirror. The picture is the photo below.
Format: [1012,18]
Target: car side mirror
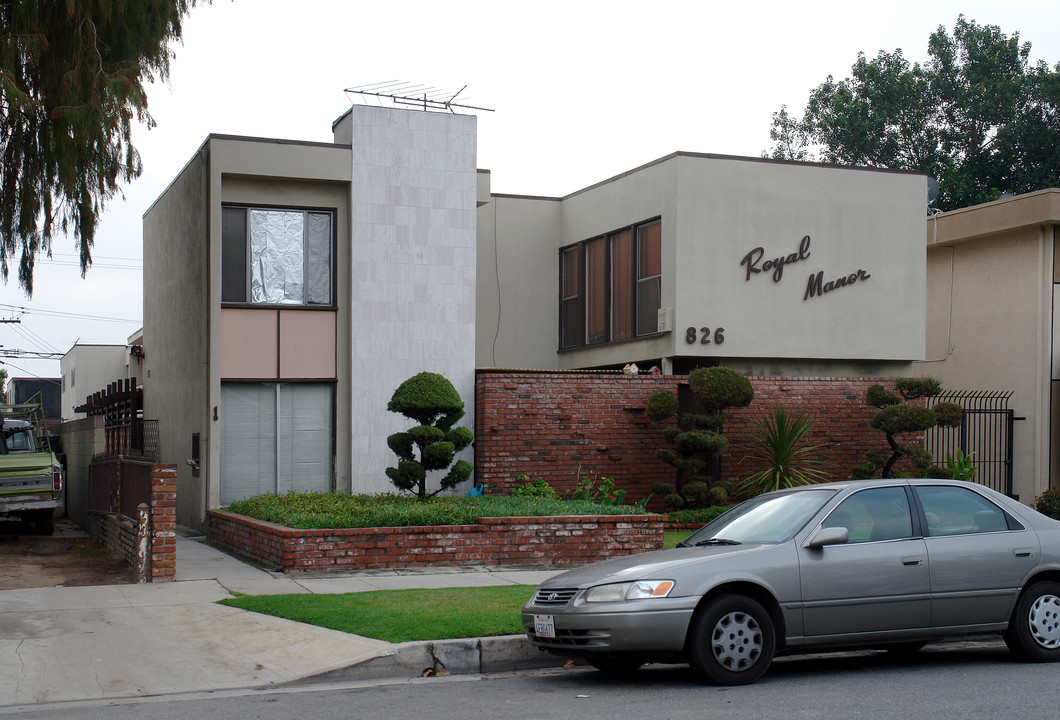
[828,536]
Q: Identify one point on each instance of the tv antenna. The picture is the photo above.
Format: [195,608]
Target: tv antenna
[420,96]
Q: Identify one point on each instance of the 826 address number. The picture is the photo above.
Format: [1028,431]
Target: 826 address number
[704,336]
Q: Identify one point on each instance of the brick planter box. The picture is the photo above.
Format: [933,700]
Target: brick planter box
[570,539]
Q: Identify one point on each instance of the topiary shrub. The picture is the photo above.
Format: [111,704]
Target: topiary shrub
[897,415]
[696,440]
[432,401]
[1048,503]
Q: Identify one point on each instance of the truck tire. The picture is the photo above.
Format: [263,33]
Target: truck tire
[44,522]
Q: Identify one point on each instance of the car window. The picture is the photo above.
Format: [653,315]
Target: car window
[764,519]
[959,511]
[873,515]
[18,440]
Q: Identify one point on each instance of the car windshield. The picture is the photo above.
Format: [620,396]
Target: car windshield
[764,519]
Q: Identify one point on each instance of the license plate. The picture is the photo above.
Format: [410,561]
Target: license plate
[545,626]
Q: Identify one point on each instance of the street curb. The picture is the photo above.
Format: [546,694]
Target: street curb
[464,656]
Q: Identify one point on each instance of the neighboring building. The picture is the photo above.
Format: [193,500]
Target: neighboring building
[88,369]
[993,279]
[43,391]
[290,287]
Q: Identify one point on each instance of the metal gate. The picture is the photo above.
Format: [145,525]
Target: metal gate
[985,434]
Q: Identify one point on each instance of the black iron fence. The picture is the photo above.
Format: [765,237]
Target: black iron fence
[985,435]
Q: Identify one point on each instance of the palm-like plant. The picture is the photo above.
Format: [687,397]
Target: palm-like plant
[780,450]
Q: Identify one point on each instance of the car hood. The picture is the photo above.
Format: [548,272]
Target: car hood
[642,566]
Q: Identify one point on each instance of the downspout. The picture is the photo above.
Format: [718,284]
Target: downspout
[949,319]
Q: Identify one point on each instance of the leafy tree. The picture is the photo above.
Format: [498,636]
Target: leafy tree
[432,401]
[977,116]
[696,439]
[897,416]
[71,82]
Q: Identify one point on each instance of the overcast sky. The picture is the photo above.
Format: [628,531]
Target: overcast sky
[582,91]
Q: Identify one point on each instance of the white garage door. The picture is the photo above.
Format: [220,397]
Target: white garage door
[275,437]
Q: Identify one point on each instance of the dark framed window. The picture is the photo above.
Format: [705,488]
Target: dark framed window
[611,286]
[276,256]
[570,301]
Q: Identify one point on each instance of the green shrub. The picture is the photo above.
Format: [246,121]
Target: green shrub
[718,388]
[959,466]
[1048,503]
[533,488]
[701,516]
[918,387]
[432,401]
[879,396]
[896,418]
[696,439]
[662,404]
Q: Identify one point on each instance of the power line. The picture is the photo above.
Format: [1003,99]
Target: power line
[57,313]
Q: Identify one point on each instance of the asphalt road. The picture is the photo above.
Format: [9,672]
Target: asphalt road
[977,680]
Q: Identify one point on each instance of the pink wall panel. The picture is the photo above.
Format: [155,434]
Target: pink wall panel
[307,344]
[248,343]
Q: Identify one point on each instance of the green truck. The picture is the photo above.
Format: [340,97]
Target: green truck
[31,479]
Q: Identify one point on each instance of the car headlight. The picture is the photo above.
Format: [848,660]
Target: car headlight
[640,590]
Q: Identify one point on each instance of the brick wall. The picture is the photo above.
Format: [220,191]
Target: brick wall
[163,523]
[561,426]
[497,541]
[117,534]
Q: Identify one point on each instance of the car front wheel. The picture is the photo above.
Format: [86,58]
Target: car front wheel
[732,641]
[1034,631]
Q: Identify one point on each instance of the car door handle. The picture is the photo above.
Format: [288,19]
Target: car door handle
[1022,552]
[912,561]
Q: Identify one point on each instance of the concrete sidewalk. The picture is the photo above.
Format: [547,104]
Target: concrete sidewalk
[118,641]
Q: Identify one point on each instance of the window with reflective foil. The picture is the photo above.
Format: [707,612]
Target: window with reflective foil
[276,256]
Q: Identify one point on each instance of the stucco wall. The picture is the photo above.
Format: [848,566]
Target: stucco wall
[176,325]
[91,368]
[517,306]
[724,220]
[998,326]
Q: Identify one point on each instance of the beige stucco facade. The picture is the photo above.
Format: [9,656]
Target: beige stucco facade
[396,193]
[990,319]
[723,221]
[182,310]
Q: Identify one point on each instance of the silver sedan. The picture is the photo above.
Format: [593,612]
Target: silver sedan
[881,563]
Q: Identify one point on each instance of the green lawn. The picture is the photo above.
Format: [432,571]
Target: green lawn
[670,539]
[403,615]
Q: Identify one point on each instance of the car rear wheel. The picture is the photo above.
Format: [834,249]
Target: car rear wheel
[616,666]
[1034,631]
[732,641]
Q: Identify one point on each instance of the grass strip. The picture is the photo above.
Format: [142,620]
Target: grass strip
[672,537]
[403,615]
